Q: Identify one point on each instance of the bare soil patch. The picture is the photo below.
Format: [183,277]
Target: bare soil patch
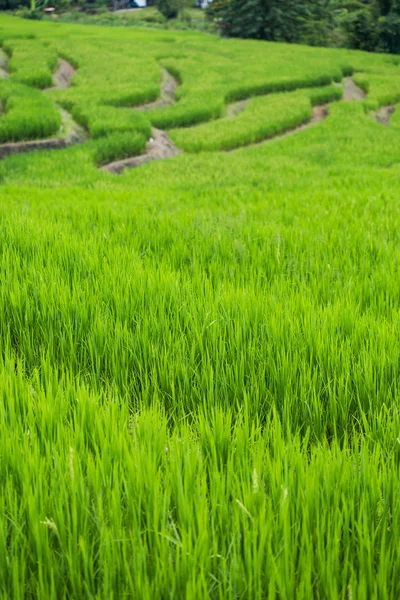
[383,114]
[167,96]
[351,92]
[63,76]
[3,64]
[159,147]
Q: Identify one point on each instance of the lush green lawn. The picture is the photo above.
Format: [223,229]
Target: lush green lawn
[199,376]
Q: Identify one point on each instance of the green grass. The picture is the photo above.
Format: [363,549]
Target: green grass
[199,368]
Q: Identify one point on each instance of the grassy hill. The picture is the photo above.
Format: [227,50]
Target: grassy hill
[199,373]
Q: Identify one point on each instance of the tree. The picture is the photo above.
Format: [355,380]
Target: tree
[173,8]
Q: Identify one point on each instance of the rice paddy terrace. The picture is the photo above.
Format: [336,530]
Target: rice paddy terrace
[200,317]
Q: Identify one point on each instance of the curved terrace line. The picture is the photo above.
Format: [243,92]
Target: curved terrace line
[167,92]
[352,92]
[159,147]
[72,133]
[62,77]
[3,64]
[319,113]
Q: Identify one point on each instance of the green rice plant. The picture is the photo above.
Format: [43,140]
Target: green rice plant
[262,118]
[28,114]
[259,89]
[118,146]
[185,114]
[199,366]
[108,77]
[32,63]
[104,120]
[382,86]
[162,498]
[325,95]
[395,119]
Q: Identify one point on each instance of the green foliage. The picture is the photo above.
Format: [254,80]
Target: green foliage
[186,114]
[28,114]
[324,95]
[117,146]
[32,63]
[364,25]
[105,120]
[199,372]
[262,118]
[190,19]
[167,8]
[14,4]
[28,13]
[278,20]
[280,85]
[390,28]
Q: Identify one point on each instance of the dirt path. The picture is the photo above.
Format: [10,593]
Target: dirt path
[162,147]
[351,92]
[383,114]
[3,64]
[167,96]
[62,78]
[159,147]
[236,108]
[319,113]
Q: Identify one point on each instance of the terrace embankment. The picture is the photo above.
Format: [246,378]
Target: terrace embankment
[351,91]
[3,64]
[70,132]
[236,108]
[319,113]
[167,94]
[62,78]
[73,134]
[159,147]
[383,114]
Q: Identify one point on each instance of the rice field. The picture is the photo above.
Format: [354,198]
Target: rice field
[200,357]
